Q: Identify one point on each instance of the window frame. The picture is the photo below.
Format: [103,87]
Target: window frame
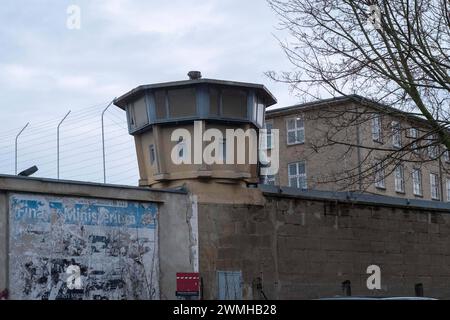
[396,130]
[432,147]
[269,136]
[399,182]
[418,183]
[152,151]
[434,186]
[298,176]
[380,183]
[447,156]
[295,130]
[448,188]
[414,136]
[377,121]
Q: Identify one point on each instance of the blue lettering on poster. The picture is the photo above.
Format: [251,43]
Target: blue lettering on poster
[128,214]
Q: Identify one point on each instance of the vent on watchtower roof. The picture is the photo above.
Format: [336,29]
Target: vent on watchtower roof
[194,75]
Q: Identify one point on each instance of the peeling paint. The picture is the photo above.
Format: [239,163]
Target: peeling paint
[193,233]
[114,244]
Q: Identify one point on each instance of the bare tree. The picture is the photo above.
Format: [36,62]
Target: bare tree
[394,52]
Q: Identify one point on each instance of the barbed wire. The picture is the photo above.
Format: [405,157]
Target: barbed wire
[80,147]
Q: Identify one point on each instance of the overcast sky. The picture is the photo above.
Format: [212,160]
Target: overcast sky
[47,69]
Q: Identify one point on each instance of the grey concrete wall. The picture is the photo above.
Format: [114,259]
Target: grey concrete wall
[306,249]
[3,242]
[178,247]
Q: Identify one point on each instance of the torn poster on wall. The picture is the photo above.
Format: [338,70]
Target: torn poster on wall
[113,244]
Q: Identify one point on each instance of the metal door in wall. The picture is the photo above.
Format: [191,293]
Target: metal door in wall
[230,285]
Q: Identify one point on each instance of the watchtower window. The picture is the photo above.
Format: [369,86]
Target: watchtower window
[152,154]
[182,103]
[234,103]
[160,103]
[140,113]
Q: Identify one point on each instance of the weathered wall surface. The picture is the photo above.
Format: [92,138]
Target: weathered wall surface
[306,249]
[98,245]
[3,242]
[114,245]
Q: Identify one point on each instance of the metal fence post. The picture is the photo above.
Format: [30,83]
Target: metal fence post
[103,140]
[17,138]
[57,142]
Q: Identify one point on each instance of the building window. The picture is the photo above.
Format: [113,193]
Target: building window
[161,104]
[448,189]
[417,182]
[376,129]
[152,154]
[399,179]
[447,156]
[396,134]
[379,176]
[131,116]
[261,110]
[182,103]
[234,103]
[297,175]
[414,135]
[269,137]
[269,180]
[295,131]
[434,185]
[433,148]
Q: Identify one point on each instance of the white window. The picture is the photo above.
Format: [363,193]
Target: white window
[260,119]
[131,116]
[417,182]
[376,128]
[270,180]
[295,130]
[448,189]
[433,148]
[379,175]
[434,185]
[399,179]
[269,137]
[396,134]
[447,156]
[414,135]
[297,175]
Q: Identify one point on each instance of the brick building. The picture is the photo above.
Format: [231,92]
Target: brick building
[352,144]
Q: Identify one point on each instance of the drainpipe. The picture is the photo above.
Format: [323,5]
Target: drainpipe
[358,141]
[441,177]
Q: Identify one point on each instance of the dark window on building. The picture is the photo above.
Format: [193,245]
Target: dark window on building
[140,113]
[234,103]
[131,116]
[182,103]
[152,154]
[160,104]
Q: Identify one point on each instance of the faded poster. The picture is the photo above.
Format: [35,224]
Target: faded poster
[113,244]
